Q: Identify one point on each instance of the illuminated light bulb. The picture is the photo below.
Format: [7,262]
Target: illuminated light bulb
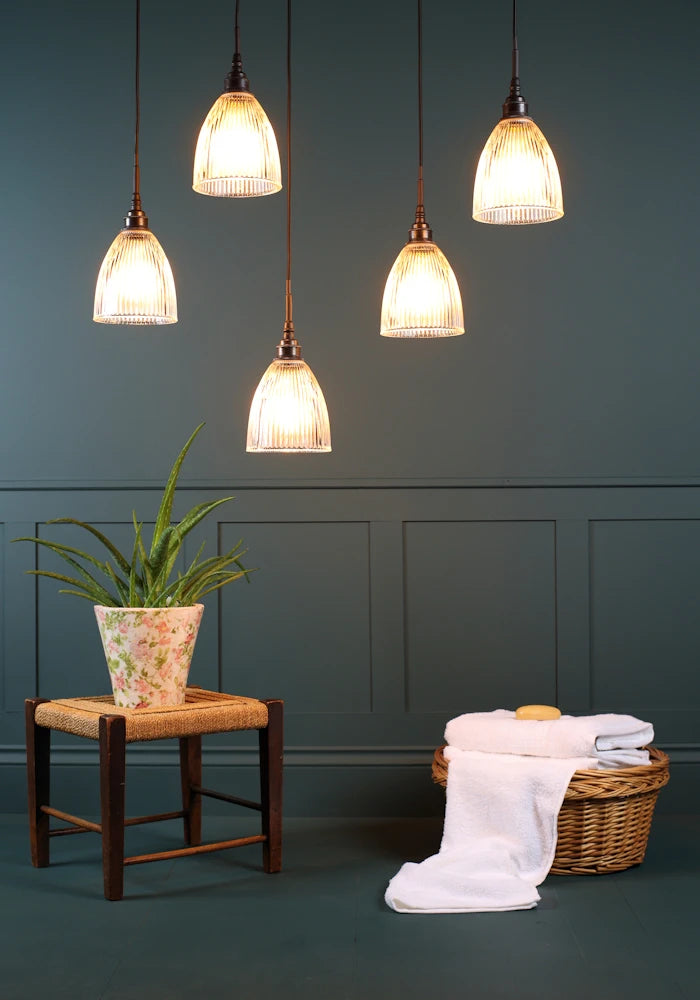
[517,180]
[135,284]
[421,296]
[237,154]
[288,412]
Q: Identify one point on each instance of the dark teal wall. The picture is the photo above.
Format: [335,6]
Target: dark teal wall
[518,515]
[581,364]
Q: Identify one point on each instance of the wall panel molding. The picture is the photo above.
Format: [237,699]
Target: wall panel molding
[589,589]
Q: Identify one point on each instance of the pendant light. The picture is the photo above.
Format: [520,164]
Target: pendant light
[135,285]
[517,181]
[236,155]
[288,412]
[421,295]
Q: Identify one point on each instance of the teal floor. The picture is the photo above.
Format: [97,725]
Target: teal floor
[216,927]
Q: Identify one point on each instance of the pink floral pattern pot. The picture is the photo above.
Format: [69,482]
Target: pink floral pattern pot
[149,651]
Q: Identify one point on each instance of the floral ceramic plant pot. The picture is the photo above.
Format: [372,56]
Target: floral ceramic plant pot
[149,651]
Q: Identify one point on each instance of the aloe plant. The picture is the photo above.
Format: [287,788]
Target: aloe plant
[145,581]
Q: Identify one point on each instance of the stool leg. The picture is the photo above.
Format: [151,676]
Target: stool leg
[38,783]
[191,774]
[112,730]
[271,762]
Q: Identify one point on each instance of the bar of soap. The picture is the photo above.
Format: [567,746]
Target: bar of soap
[537,712]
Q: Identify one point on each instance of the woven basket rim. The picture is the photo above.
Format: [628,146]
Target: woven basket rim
[658,762]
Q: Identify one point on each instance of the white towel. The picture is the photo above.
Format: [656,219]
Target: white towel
[612,739]
[499,838]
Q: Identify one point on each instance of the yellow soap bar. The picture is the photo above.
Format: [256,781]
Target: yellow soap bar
[537,712]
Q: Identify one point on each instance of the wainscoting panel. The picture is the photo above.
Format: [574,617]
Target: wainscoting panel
[3,631]
[480,615]
[387,616]
[377,613]
[645,620]
[18,621]
[300,630]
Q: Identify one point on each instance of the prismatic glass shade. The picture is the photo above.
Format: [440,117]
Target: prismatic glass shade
[135,284]
[237,154]
[421,295]
[288,412]
[517,181]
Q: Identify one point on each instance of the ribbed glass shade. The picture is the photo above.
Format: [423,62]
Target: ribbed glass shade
[288,412]
[135,284]
[236,155]
[421,295]
[517,181]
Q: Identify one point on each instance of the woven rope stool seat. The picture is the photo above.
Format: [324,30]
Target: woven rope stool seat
[204,712]
[98,718]
[605,818]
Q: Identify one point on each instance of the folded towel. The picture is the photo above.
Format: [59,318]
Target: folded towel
[612,739]
[499,838]
[603,759]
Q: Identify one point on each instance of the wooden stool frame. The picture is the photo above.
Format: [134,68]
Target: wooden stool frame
[112,741]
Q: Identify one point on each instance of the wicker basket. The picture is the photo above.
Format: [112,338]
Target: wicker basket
[605,818]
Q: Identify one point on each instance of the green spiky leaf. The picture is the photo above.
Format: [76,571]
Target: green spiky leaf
[80,593]
[160,554]
[133,591]
[146,580]
[122,587]
[166,504]
[227,578]
[62,550]
[98,596]
[198,513]
[110,546]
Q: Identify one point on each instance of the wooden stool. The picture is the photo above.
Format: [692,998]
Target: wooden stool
[99,719]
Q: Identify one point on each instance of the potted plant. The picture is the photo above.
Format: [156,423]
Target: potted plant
[148,617]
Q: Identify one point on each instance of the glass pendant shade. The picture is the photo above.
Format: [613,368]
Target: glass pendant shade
[237,154]
[421,296]
[288,412]
[135,284]
[517,180]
